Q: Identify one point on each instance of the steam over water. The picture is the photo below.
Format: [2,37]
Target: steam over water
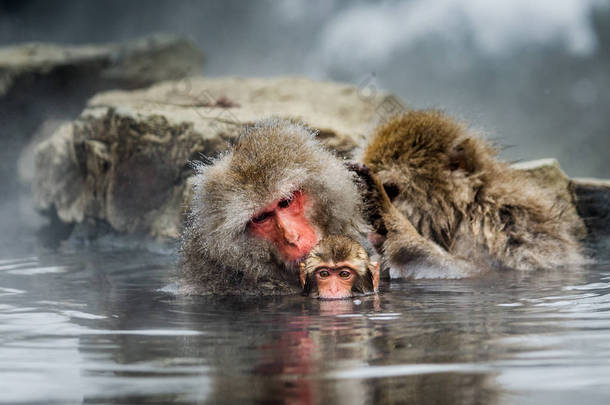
[529,74]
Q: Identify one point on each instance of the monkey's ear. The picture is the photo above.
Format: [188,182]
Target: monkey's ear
[302,273]
[374,268]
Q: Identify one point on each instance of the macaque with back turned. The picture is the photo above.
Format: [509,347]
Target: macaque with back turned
[338,267]
[442,205]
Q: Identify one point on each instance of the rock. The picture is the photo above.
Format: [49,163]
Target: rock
[25,163]
[124,161]
[589,199]
[41,82]
[547,173]
[58,181]
[592,198]
[132,64]
[123,164]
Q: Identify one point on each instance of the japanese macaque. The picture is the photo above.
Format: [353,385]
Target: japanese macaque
[338,267]
[442,206]
[261,207]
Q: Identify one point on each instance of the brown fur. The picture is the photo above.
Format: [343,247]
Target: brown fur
[456,210]
[269,161]
[335,249]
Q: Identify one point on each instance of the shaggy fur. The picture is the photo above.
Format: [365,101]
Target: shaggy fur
[269,161]
[335,249]
[451,198]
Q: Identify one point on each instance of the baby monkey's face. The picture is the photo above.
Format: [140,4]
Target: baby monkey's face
[335,282]
[338,267]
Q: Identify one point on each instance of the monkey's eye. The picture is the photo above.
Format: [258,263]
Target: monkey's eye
[261,217]
[345,274]
[285,203]
[323,273]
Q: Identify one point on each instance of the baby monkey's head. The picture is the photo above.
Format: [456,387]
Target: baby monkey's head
[338,267]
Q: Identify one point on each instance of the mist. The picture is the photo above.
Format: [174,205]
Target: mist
[530,75]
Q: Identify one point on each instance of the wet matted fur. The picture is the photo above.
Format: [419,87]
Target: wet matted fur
[452,188]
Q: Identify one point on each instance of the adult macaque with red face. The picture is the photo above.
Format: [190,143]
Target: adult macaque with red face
[260,208]
[338,267]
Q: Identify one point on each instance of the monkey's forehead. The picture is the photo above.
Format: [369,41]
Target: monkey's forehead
[272,139]
[351,256]
[268,163]
[338,248]
[267,166]
[255,190]
[360,266]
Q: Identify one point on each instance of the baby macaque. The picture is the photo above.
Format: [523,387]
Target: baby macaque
[338,267]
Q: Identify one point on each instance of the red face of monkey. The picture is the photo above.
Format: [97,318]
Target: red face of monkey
[284,224]
[338,267]
[335,281]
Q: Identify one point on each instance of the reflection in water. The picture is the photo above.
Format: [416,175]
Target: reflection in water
[97,326]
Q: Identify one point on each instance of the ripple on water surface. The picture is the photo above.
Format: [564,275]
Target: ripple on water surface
[103,326]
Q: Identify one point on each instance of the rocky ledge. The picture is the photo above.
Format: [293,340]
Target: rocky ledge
[131,64]
[41,82]
[587,198]
[124,161]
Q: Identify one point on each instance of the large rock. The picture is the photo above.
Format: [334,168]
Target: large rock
[124,161]
[123,164]
[41,81]
[547,174]
[588,199]
[131,64]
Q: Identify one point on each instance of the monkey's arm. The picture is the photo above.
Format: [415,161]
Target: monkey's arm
[405,252]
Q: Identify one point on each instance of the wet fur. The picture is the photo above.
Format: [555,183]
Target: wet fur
[470,210]
[269,161]
[339,248]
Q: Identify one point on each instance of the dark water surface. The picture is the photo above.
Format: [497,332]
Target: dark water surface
[96,325]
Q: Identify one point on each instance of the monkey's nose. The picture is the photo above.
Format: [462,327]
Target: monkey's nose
[290,236]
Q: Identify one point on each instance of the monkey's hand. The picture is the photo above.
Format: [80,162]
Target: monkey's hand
[375,200]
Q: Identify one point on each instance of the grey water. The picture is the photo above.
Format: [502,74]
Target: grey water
[90,324]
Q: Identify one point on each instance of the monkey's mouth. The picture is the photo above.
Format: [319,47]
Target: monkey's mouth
[336,296]
[354,294]
[347,297]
